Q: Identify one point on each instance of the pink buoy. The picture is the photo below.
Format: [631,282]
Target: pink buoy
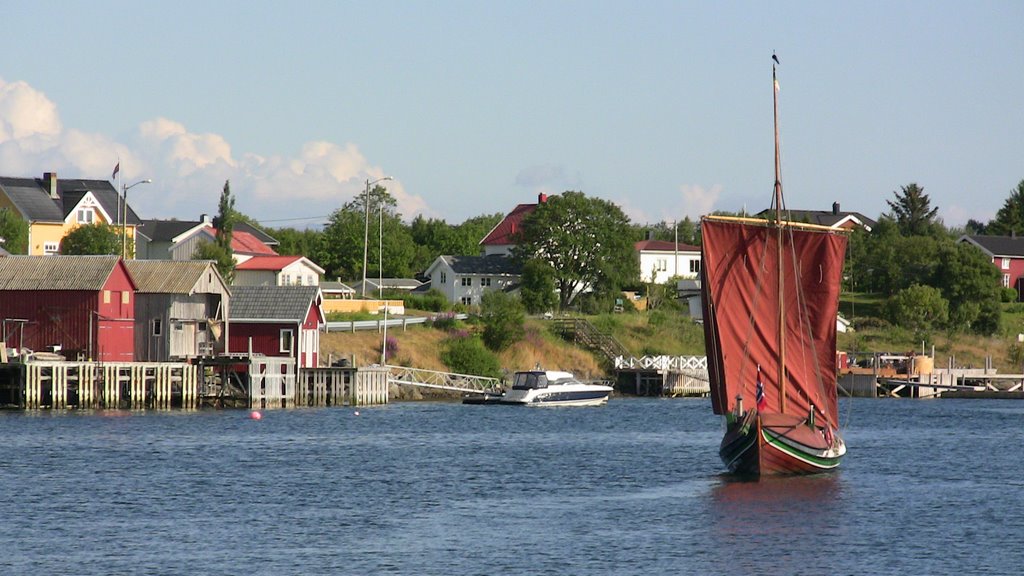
[255,415]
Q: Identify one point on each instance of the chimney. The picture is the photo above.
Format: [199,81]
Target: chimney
[50,182]
[835,208]
[542,198]
[205,219]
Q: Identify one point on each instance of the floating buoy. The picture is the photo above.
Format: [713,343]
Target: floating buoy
[356,413]
[255,415]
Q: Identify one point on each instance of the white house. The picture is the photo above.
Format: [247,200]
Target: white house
[465,279]
[277,271]
[663,260]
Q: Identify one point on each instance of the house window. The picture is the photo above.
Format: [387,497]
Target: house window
[287,340]
[50,248]
[444,278]
[86,216]
[694,266]
[485,282]
[287,280]
[309,280]
[466,281]
[662,264]
[126,297]
[1006,264]
[1006,280]
[106,296]
[298,279]
[158,327]
[467,300]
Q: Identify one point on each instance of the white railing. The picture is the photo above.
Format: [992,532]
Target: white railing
[441,380]
[673,363]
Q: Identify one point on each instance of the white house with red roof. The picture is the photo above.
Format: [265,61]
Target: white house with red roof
[661,260]
[499,241]
[276,270]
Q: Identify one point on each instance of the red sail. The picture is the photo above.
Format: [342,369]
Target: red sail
[741,319]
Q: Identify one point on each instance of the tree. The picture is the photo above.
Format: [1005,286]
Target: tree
[222,259]
[913,212]
[344,238]
[13,232]
[92,239]
[220,250]
[1010,218]
[503,319]
[586,241]
[537,287]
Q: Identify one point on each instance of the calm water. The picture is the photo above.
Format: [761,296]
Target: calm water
[635,487]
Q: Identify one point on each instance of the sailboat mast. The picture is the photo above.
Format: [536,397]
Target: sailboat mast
[778,245]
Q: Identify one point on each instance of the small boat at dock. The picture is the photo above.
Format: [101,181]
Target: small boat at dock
[554,388]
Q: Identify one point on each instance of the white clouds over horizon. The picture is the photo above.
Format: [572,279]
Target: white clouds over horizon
[188,168]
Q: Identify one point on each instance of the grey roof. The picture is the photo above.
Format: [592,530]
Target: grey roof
[332,286]
[32,199]
[396,283]
[262,303]
[55,272]
[493,265]
[167,230]
[171,276]
[823,217]
[1008,246]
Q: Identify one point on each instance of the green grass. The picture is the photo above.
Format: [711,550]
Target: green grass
[861,304]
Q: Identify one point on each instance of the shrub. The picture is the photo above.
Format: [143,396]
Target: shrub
[432,301]
[1007,295]
[469,356]
[444,321]
[920,309]
[503,318]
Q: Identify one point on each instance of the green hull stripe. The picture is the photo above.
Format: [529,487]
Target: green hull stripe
[823,462]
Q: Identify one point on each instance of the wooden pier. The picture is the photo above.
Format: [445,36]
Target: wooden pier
[212,382]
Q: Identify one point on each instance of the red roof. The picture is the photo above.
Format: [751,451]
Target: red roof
[274,263]
[246,243]
[503,232]
[664,246]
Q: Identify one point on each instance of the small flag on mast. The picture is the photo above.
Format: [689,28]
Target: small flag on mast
[117,168]
[762,402]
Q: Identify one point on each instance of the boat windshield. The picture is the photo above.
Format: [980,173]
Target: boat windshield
[529,381]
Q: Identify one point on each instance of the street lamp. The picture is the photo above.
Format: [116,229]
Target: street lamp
[366,228]
[124,215]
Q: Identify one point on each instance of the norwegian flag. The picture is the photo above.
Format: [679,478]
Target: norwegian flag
[762,402]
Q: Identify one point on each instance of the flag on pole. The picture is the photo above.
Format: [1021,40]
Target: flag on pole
[117,168]
[762,402]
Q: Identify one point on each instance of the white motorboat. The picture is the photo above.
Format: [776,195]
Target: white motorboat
[554,388]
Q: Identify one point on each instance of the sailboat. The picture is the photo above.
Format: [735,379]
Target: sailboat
[770,294]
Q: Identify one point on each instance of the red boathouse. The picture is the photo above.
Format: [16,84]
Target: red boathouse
[78,306]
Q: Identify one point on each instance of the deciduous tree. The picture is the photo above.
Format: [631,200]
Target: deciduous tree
[13,232]
[92,239]
[586,241]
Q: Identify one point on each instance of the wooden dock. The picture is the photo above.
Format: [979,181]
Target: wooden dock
[255,382]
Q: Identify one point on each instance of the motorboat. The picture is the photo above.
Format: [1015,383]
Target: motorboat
[554,388]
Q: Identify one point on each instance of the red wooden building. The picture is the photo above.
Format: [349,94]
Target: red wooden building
[277,321]
[79,306]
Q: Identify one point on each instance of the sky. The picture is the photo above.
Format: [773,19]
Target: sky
[663,108]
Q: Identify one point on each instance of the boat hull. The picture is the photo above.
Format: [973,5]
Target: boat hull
[559,398]
[776,444]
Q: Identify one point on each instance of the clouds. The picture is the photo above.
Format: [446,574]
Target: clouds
[188,168]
